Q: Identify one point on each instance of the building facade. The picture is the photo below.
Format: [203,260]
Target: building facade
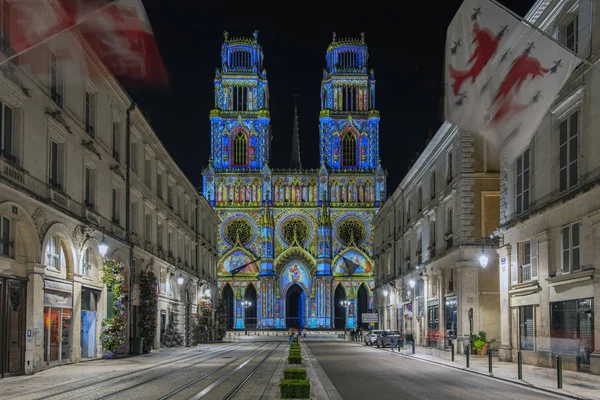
[298,241]
[550,212]
[65,127]
[429,237]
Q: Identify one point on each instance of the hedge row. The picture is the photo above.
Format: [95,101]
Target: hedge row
[294,384]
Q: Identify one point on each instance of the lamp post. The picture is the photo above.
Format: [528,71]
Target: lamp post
[180,279]
[103,247]
[246,304]
[483,258]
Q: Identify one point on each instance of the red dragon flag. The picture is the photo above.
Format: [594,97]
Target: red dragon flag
[502,75]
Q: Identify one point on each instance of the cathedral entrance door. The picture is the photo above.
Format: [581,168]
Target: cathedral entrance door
[295,302]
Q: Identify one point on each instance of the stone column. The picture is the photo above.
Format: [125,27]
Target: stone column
[76,323]
[34,346]
[505,350]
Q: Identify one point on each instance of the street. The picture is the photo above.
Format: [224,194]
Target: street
[251,368]
[362,372]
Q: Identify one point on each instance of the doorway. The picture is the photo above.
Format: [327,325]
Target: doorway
[89,310]
[57,334]
[12,326]
[362,303]
[228,296]
[340,311]
[295,301]
[250,312]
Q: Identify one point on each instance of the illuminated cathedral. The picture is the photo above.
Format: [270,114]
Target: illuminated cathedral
[298,241]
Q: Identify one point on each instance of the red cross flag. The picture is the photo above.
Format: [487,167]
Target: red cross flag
[502,75]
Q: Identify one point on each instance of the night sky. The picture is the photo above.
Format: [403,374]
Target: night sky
[405,48]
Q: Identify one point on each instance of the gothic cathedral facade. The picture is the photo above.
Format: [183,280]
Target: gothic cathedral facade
[298,241]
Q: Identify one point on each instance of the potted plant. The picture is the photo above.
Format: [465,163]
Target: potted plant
[479,343]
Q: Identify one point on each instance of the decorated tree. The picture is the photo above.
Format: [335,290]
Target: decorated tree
[148,308]
[202,322]
[114,329]
[221,319]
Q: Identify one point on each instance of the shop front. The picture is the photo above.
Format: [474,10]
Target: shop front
[90,300]
[58,309]
[12,326]
[451,316]
[433,323]
[572,331]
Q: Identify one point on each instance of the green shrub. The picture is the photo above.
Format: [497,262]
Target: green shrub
[295,340]
[295,359]
[294,373]
[295,353]
[294,389]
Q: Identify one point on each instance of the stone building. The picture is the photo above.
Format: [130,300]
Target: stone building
[429,237]
[550,212]
[63,162]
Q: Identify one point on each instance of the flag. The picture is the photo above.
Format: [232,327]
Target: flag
[351,266]
[122,37]
[32,22]
[239,269]
[501,74]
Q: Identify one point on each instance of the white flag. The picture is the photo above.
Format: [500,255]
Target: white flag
[501,74]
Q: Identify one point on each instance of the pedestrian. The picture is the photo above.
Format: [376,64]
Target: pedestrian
[304,333]
[290,336]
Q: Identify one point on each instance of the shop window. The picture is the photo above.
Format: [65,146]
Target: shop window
[526,328]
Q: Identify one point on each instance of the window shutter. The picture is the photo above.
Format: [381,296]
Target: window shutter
[61,165]
[93,110]
[534,259]
[514,264]
[584,28]
[17,128]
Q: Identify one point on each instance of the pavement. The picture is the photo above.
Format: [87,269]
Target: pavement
[361,372]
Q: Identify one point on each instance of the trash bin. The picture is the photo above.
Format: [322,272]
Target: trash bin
[138,346]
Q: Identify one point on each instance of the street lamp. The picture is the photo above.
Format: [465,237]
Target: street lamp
[246,303]
[180,279]
[483,259]
[385,292]
[345,303]
[411,283]
[103,247]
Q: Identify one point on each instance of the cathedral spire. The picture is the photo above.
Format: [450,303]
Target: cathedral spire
[295,162]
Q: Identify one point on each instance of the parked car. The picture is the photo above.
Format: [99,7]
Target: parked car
[386,338]
[371,337]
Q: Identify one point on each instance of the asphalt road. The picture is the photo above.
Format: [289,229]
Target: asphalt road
[361,372]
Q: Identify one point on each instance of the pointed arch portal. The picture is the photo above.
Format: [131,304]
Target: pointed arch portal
[250,314]
[362,301]
[228,296]
[295,310]
[340,310]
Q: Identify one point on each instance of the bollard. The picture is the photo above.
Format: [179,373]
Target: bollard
[468,355]
[490,362]
[520,364]
[413,347]
[559,371]
[452,349]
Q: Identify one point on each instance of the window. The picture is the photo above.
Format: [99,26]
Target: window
[5,24]
[432,237]
[432,184]
[349,149]
[569,152]
[134,160]
[170,196]
[571,253]
[148,227]
[116,140]
[7,133]
[525,261]
[239,149]
[6,243]
[408,210]
[148,172]
[57,165]
[54,253]
[169,243]
[159,190]
[159,235]
[522,182]
[89,188]
[135,209]
[449,165]
[116,206]
[526,325]
[420,198]
[57,80]
[90,113]
[240,98]
[571,34]
[449,220]
[86,264]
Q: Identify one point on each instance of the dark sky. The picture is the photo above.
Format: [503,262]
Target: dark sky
[406,49]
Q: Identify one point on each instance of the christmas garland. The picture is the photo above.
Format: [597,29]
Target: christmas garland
[114,329]
[221,319]
[202,322]
[148,308]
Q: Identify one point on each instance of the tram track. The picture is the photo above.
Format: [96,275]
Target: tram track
[87,382]
[200,378]
[146,379]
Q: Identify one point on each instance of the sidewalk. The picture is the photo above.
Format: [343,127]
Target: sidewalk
[577,385]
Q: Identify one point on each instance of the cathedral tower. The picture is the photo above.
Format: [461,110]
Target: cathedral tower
[240,119]
[349,122]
